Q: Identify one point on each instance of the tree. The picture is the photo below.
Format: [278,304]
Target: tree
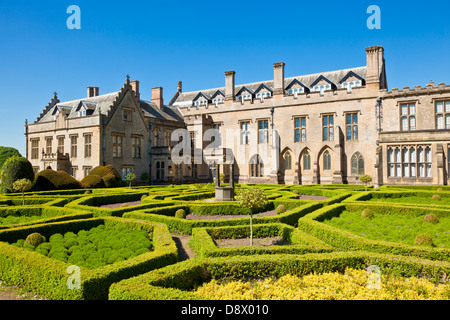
[130,177]
[7,152]
[365,179]
[13,169]
[253,199]
[22,185]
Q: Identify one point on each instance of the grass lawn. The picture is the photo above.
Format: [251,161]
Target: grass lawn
[394,228]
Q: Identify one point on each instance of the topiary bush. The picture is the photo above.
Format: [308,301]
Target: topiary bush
[367,213]
[436,197]
[15,168]
[55,180]
[92,181]
[280,209]
[34,239]
[180,213]
[109,175]
[431,218]
[423,240]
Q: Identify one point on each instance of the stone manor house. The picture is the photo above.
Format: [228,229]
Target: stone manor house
[328,127]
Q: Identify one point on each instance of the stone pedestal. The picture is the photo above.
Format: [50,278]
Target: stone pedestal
[224,194]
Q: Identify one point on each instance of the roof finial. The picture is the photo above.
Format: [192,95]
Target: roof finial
[128,78]
[55,95]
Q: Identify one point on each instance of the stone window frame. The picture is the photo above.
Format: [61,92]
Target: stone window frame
[444,113]
[300,131]
[244,132]
[88,144]
[263,133]
[34,148]
[127,114]
[408,116]
[354,136]
[117,144]
[73,146]
[61,141]
[136,145]
[328,126]
[356,168]
[326,159]
[413,161]
[48,146]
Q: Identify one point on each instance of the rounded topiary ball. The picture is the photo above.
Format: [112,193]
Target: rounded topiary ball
[436,197]
[367,213]
[431,218]
[34,239]
[143,197]
[439,189]
[280,209]
[295,191]
[88,192]
[423,240]
[180,213]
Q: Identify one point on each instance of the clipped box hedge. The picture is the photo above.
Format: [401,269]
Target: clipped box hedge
[48,214]
[35,272]
[296,241]
[177,282]
[344,240]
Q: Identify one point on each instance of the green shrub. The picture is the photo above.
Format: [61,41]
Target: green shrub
[367,213]
[295,191]
[15,168]
[436,197]
[253,198]
[34,239]
[423,240]
[281,209]
[92,181]
[431,218]
[55,180]
[180,213]
[110,176]
[144,196]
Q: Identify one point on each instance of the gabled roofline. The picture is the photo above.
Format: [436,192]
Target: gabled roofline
[217,93]
[246,89]
[263,85]
[321,77]
[351,73]
[201,94]
[295,81]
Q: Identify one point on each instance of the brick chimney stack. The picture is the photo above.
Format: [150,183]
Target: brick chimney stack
[135,86]
[375,65]
[229,85]
[278,78]
[157,97]
[92,91]
[179,87]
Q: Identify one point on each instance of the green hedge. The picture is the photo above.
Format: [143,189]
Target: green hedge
[177,281]
[48,214]
[344,240]
[296,241]
[46,276]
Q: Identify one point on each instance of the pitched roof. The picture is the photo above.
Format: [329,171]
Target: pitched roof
[151,110]
[99,104]
[186,98]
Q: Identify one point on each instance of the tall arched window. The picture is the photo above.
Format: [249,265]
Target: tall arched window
[327,160]
[306,161]
[256,167]
[357,164]
[288,161]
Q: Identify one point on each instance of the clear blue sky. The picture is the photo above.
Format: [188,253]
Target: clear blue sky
[161,42]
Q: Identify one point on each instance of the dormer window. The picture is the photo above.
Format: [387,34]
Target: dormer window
[216,101]
[322,88]
[263,95]
[351,84]
[244,97]
[199,103]
[82,113]
[295,91]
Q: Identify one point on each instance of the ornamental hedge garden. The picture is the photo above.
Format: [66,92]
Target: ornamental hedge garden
[119,243]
